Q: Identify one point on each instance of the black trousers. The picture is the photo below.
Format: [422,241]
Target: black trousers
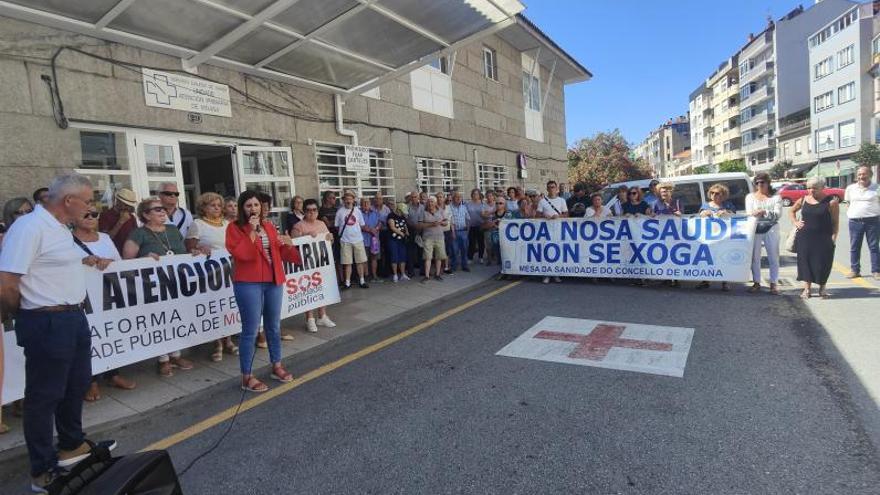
[58,370]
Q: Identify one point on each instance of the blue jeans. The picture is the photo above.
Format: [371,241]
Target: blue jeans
[459,249]
[258,300]
[864,228]
[58,371]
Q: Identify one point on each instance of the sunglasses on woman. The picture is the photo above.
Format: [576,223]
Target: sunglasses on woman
[91,214]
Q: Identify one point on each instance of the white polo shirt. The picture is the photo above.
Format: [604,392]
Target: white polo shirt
[864,202]
[41,249]
[181,219]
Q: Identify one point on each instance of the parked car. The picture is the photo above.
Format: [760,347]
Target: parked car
[790,193]
[691,190]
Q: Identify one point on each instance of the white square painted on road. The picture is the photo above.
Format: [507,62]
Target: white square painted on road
[605,344]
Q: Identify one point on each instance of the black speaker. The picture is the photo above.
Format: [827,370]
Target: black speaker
[145,473]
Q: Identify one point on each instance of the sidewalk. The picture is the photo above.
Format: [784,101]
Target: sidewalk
[359,309]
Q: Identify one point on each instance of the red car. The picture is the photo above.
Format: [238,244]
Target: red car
[793,192]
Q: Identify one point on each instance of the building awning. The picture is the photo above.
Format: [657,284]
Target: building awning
[836,168]
[341,46]
[526,37]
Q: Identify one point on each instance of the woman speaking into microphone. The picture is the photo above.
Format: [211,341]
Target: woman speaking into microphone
[258,277]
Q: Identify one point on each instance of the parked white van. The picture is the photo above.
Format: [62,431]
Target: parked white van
[690,190]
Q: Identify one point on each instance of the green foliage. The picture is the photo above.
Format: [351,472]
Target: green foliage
[738,165]
[778,170]
[603,159]
[702,169]
[868,154]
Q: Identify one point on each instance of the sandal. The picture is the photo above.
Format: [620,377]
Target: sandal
[805,294]
[754,288]
[165,369]
[281,374]
[122,383]
[230,347]
[252,384]
[94,393]
[217,355]
[824,294]
[287,337]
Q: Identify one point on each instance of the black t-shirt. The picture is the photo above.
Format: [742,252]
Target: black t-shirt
[328,213]
[577,207]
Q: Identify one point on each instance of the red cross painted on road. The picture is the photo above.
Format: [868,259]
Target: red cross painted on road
[596,344]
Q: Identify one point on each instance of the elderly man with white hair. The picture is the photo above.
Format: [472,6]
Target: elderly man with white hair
[43,286]
[863,213]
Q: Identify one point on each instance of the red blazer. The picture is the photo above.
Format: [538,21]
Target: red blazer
[251,262]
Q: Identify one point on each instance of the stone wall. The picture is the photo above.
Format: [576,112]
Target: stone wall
[488,114]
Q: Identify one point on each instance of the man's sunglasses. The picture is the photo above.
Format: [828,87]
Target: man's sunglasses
[170,193]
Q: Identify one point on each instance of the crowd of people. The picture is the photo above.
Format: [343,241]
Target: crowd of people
[375,239]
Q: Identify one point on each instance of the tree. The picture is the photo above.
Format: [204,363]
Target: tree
[778,170]
[738,165]
[868,155]
[702,169]
[603,159]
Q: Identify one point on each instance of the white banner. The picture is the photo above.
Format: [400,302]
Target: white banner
[189,94]
[139,309]
[663,248]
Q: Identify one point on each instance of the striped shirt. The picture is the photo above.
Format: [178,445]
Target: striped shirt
[460,216]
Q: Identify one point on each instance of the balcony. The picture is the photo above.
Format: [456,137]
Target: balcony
[757,120]
[760,69]
[794,126]
[759,95]
[756,145]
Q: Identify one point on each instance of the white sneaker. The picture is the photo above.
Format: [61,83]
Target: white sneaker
[325,321]
[546,280]
[394,278]
[404,278]
[557,280]
[311,327]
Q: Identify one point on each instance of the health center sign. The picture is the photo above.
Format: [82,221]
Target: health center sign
[664,248]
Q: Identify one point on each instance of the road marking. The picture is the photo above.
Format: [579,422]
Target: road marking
[247,405]
[603,344]
[858,280]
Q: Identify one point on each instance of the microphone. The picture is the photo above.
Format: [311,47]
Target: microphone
[257,228]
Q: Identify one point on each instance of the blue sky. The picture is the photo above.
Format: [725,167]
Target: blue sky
[646,56]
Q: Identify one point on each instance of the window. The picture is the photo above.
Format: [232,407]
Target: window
[727,147]
[105,162]
[846,93]
[825,139]
[797,147]
[847,133]
[492,177]
[747,114]
[738,188]
[688,194]
[824,101]
[333,176]
[532,92]
[786,150]
[837,26]
[747,91]
[441,64]
[875,46]
[746,66]
[822,69]
[490,63]
[846,56]
[433,176]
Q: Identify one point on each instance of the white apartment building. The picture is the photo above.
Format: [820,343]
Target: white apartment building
[662,145]
[773,78]
[700,108]
[841,92]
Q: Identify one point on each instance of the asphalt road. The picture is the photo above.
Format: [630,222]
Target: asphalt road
[762,408]
[766,405]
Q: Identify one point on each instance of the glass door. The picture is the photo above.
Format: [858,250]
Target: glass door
[158,161]
[268,169]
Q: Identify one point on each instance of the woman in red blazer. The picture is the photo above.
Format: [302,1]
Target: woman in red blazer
[258,279]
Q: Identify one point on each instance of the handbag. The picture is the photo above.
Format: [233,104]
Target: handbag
[764,225]
[791,241]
